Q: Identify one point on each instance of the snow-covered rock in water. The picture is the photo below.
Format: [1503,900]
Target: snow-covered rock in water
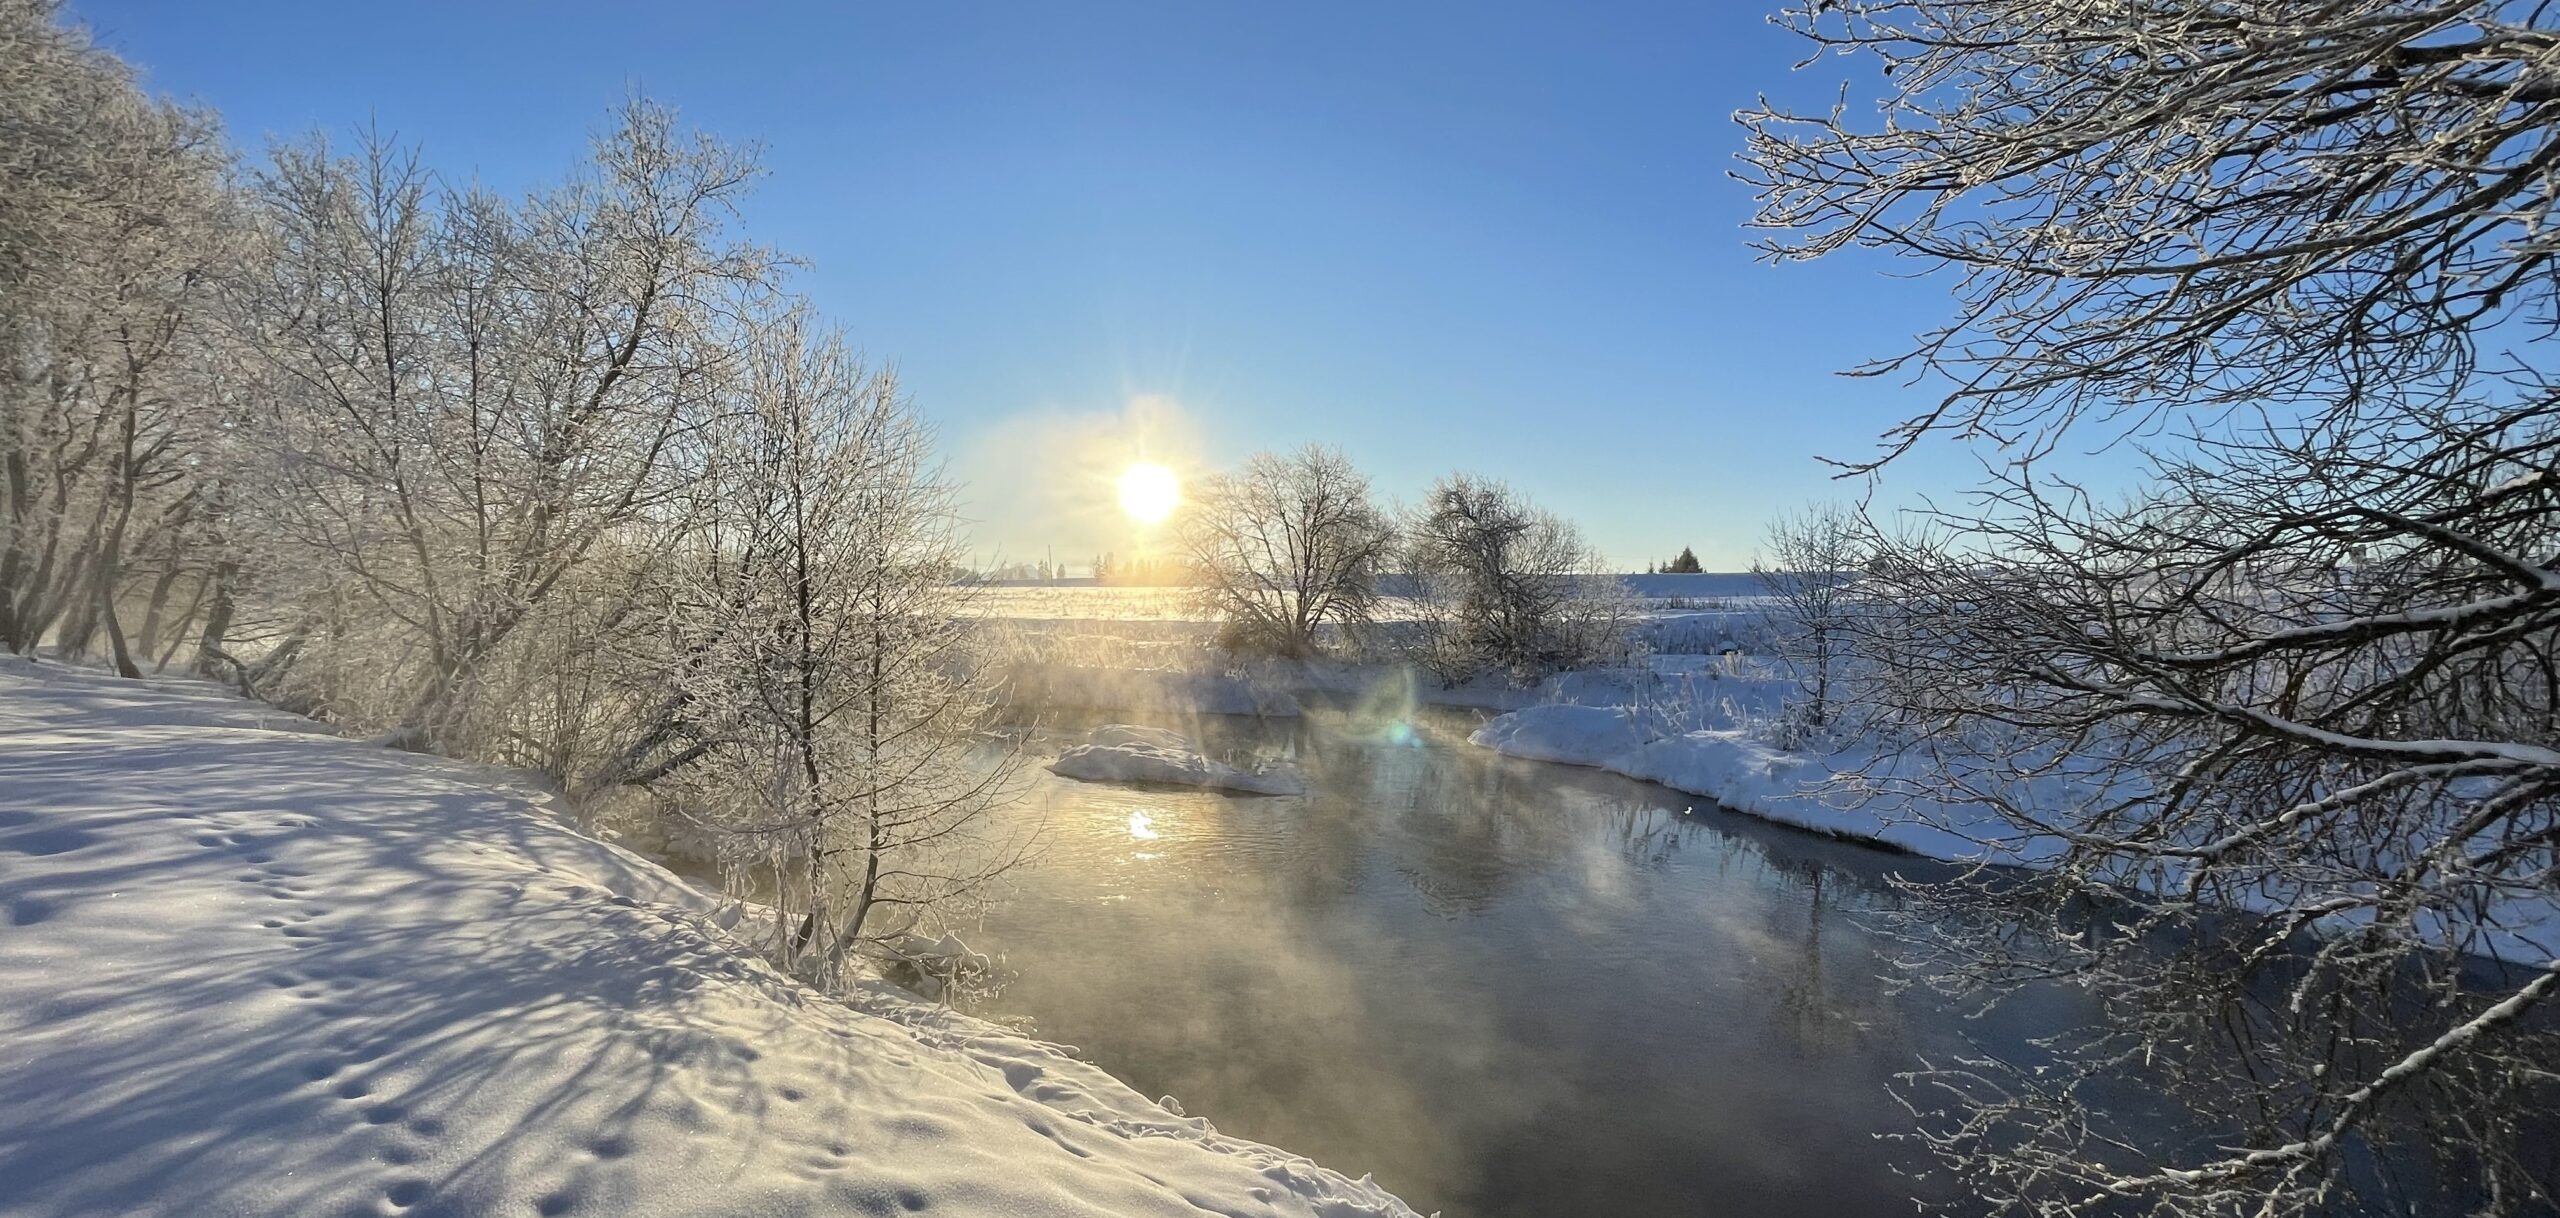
[1123,752]
[1574,735]
[250,969]
[945,948]
[930,964]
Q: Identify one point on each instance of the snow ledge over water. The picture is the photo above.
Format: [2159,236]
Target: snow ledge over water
[1746,774]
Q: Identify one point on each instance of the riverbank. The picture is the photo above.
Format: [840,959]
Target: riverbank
[252,968]
[1853,792]
[1862,790]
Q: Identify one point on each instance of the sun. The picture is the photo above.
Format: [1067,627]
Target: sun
[1149,492]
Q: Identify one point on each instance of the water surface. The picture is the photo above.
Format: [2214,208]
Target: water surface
[1506,988]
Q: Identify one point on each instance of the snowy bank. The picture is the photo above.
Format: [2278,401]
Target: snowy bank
[251,969]
[1573,735]
[1122,752]
[1746,774]
[1884,801]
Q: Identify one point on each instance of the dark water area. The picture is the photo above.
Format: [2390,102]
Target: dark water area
[1505,988]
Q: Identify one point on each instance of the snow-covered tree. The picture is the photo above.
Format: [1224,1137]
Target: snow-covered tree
[115,231]
[2295,697]
[1503,586]
[550,482]
[470,401]
[1809,562]
[1284,545]
[825,734]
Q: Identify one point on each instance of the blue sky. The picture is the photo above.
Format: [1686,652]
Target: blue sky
[1496,237]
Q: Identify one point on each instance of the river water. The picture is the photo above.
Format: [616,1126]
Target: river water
[1506,988]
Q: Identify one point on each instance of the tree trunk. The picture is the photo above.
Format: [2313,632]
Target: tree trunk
[217,623]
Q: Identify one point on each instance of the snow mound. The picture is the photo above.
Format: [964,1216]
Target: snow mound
[1574,735]
[250,969]
[1123,752]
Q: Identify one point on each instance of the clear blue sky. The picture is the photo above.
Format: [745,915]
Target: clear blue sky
[1437,235]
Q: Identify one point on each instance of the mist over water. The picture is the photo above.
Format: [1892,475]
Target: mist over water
[1505,988]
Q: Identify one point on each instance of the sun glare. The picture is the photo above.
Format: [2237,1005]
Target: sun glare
[1149,492]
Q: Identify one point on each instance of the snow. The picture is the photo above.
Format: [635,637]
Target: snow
[1854,789]
[1740,770]
[249,968]
[1122,752]
[1574,735]
[1717,585]
[1747,774]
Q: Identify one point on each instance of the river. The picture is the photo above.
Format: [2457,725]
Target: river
[1506,988]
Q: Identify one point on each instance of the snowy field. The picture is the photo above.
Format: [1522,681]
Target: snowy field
[253,969]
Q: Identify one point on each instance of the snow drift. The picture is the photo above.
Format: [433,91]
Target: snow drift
[250,969]
[1573,735]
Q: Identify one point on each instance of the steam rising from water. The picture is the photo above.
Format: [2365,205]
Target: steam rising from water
[1507,989]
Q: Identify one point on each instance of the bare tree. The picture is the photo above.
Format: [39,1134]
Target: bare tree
[1502,586]
[114,230]
[2295,699]
[1811,560]
[473,400]
[1285,545]
[827,732]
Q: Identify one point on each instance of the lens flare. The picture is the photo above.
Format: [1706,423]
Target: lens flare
[1386,711]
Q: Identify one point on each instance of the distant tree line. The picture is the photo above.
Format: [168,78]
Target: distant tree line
[1683,563]
[1142,571]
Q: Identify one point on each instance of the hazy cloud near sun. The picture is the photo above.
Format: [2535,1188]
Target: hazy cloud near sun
[1047,478]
